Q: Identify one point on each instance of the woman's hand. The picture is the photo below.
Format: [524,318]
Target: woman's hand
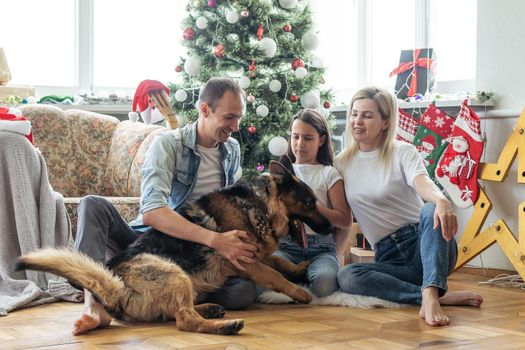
[445,215]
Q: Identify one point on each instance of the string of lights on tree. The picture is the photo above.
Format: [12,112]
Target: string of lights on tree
[267,46]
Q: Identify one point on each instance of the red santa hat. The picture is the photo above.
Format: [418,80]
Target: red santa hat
[11,119]
[430,140]
[148,111]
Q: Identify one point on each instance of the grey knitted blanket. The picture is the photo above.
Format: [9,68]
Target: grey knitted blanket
[32,216]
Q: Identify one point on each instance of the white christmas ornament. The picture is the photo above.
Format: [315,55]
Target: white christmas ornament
[181,95]
[268,46]
[232,16]
[201,22]
[288,4]
[278,146]
[275,85]
[192,66]
[262,111]
[310,40]
[232,37]
[300,72]
[244,83]
[310,99]
[133,116]
[317,62]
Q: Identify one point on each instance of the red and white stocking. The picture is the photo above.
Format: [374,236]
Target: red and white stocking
[457,169]
[406,127]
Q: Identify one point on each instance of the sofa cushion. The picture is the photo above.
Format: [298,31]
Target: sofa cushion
[126,145]
[92,134]
[135,174]
[53,136]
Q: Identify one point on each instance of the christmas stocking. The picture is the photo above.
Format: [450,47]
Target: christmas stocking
[458,167]
[406,127]
[435,126]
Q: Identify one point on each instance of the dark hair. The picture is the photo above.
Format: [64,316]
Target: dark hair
[215,88]
[325,155]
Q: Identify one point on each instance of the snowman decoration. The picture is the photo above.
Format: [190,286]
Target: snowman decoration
[428,145]
[459,163]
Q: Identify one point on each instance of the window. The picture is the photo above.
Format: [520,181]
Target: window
[370,34]
[76,46]
[136,40]
[392,29]
[453,34]
[39,41]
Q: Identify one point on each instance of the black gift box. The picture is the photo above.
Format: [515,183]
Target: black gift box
[423,66]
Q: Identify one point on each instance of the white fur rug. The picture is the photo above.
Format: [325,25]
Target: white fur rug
[337,299]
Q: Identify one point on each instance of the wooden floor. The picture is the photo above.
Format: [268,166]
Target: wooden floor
[498,324]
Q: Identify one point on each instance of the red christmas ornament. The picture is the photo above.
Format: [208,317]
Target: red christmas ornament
[251,129]
[218,51]
[326,104]
[188,34]
[260,31]
[297,63]
[212,3]
[178,69]
[252,66]
[293,98]
[287,28]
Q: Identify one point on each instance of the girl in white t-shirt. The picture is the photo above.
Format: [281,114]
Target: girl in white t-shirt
[310,150]
[386,183]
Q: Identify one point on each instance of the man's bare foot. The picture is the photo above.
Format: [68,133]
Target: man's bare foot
[431,310]
[461,298]
[93,316]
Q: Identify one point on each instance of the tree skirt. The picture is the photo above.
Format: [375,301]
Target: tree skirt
[337,299]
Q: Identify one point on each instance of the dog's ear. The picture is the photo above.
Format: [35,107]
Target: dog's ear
[287,163]
[279,171]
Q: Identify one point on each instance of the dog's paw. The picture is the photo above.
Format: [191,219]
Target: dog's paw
[301,268]
[302,296]
[231,327]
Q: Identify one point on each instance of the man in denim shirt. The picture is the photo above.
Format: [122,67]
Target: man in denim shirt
[181,166]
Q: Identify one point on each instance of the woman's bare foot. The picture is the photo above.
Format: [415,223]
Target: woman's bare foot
[431,310]
[93,316]
[461,298]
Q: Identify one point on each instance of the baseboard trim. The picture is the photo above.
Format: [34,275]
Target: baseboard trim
[488,272]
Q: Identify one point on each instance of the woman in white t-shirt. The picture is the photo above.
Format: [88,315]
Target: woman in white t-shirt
[386,184]
[310,151]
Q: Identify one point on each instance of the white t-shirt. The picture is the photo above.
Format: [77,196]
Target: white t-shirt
[209,175]
[320,178]
[383,200]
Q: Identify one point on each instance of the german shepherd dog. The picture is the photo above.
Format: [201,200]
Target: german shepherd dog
[158,276]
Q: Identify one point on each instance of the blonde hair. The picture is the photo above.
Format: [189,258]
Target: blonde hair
[387,105]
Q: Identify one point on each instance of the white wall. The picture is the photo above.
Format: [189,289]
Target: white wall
[500,67]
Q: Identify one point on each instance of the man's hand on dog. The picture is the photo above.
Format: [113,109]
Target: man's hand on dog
[231,245]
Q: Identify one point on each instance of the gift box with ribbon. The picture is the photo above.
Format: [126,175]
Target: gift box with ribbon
[415,73]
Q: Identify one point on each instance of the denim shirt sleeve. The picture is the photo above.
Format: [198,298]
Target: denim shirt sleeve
[236,161]
[157,173]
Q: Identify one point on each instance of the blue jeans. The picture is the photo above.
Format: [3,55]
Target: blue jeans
[322,271]
[413,258]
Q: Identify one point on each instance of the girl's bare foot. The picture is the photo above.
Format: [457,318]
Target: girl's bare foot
[431,310]
[461,298]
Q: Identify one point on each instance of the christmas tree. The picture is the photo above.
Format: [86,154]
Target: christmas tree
[267,47]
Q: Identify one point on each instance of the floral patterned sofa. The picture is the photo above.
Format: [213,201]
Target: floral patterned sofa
[91,153]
